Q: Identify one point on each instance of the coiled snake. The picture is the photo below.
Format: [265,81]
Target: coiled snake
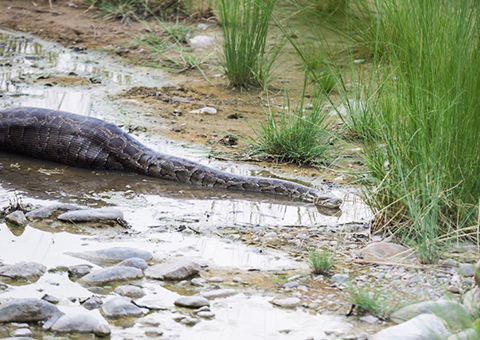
[93,143]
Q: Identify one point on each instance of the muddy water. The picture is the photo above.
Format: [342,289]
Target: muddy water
[42,74]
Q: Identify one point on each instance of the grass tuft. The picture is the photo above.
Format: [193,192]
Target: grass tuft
[320,261]
[366,300]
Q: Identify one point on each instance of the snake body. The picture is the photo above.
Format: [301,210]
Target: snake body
[88,142]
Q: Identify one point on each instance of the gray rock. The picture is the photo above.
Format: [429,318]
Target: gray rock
[192,301]
[422,327]
[370,319]
[215,279]
[120,307]
[153,333]
[198,281]
[291,302]
[466,269]
[219,293]
[340,278]
[206,315]
[469,334]
[81,323]
[21,332]
[175,270]
[111,274]
[449,263]
[452,312]
[28,310]
[471,301]
[387,252]
[129,291]
[23,270]
[50,298]
[202,41]
[48,211]
[79,270]
[17,218]
[113,255]
[290,285]
[91,215]
[188,321]
[92,302]
[134,262]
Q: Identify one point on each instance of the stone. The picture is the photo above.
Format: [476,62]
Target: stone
[92,215]
[129,291]
[153,333]
[79,270]
[422,327]
[202,41]
[218,293]
[449,263]
[17,218]
[192,301]
[339,279]
[466,270]
[28,310]
[114,255]
[120,307]
[111,274]
[175,270]
[290,285]
[92,302]
[215,279]
[21,332]
[452,312]
[370,319]
[50,298]
[134,262]
[387,252]
[23,270]
[471,301]
[198,281]
[237,279]
[206,315]
[291,302]
[188,321]
[81,323]
[469,334]
[48,211]
[208,110]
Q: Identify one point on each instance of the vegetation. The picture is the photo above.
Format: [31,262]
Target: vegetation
[366,300]
[246,60]
[320,261]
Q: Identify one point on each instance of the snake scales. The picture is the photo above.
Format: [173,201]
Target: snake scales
[93,143]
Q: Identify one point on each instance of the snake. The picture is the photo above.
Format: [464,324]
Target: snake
[88,142]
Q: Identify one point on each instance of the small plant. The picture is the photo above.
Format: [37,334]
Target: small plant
[320,261]
[245,27]
[365,300]
[178,33]
[281,279]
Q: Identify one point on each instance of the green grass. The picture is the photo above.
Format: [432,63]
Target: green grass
[367,300]
[295,134]
[245,23]
[320,261]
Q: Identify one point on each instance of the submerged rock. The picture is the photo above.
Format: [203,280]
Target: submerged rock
[422,327]
[219,293]
[17,218]
[23,270]
[291,302]
[120,307]
[111,274]
[192,301]
[130,291]
[92,302]
[81,323]
[175,270]
[134,262]
[115,254]
[28,310]
[91,215]
[48,211]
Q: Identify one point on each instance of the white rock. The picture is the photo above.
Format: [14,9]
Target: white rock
[208,110]
[201,41]
[422,327]
[292,302]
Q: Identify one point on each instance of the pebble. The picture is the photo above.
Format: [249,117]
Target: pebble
[466,269]
[27,310]
[111,274]
[192,301]
[92,302]
[292,302]
[270,234]
[17,218]
[208,110]
[90,215]
[129,291]
[175,270]
[120,307]
[215,279]
[201,41]
[21,332]
[134,262]
[340,278]
[50,298]
[206,315]
[188,321]
[370,319]
[290,285]
[449,263]
[218,293]
[237,279]
[198,281]
[23,270]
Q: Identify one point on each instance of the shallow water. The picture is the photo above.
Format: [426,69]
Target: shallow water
[153,207]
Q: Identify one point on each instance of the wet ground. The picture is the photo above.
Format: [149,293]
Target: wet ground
[222,229]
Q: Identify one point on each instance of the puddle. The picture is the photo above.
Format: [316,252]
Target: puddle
[153,207]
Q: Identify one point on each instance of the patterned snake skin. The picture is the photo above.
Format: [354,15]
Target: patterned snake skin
[93,143]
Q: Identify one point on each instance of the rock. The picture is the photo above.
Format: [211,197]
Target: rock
[134,262]
[469,334]
[215,279]
[153,333]
[452,312]
[422,327]
[449,263]
[173,270]
[23,270]
[113,255]
[79,270]
[48,211]
[292,302]
[120,307]
[129,291]
[290,285]
[198,281]
[471,301]
[466,269]
[21,332]
[188,321]
[201,41]
[28,310]
[370,319]
[17,218]
[50,298]
[192,301]
[81,323]
[338,279]
[90,215]
[92,302]
[387,252]
[237,279]
[218,293]
[206,315]
[208,110]
[111,274]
